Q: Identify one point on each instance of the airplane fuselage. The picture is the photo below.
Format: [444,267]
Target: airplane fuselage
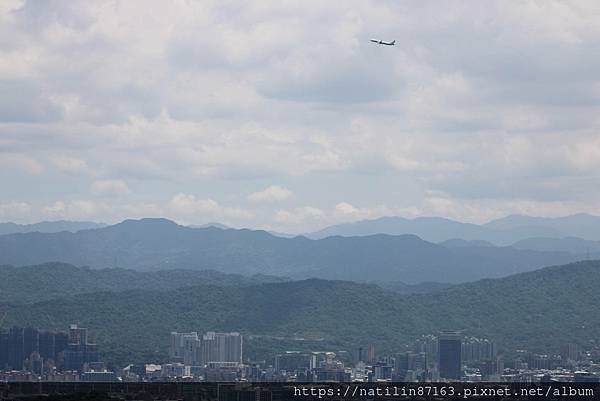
[383,42]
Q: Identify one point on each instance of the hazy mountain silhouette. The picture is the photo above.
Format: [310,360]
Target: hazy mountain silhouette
[207,225]
[569,244]
[160,244]
[580,225]
[461,243]
[503,231]
[48,227]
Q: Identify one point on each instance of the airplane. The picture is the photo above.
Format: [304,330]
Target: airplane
[383,42]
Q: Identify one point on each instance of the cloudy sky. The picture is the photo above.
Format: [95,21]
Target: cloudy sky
[282,114]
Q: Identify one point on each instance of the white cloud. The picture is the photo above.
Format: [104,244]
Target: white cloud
[483,210]
[189,207]
[15,211]
[21,162]
[344,208]
[143,209]
[301,215]
[493,103]
[76,209]
[71,165]
[83,209]
[344,212]
[110,187]
[57,209]
[274,193]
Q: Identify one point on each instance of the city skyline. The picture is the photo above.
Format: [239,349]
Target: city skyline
[33,355]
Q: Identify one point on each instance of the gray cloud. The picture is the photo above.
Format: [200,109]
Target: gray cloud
[39,15]
[25,101]
[492,106]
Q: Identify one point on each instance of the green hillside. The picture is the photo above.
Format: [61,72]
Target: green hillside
[31,284]
[539,311]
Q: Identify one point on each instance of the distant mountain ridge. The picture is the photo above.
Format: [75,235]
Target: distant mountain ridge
[48,227]
[569,244]
[539,311]
[160,244]
[461,243]
[207,225]
[503,231]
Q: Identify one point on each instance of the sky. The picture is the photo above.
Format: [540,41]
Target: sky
[283,115]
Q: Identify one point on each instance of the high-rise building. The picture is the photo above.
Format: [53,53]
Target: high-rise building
[185,348]
[478,350]
[77,335]
[221,347]
[382,371]
[31,342]
[80,350]
[429,345]
[61,343]
[16,348]
[3,349]
[371,357]
[191,351]
[47,345]
[570,352]
[294,361]
[492,368]
[449,351]
[52,347]
[19,346]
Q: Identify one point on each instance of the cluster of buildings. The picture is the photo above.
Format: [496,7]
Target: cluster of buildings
[448,356]
[212,348]
[209,357]
[29,354]
[32,355]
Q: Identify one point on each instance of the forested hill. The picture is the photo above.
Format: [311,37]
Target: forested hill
[30,284]
[538,311]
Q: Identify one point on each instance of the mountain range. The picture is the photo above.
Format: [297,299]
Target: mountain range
[48,227]
[503,231]
[568,244]
[159,244]
[538,311]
